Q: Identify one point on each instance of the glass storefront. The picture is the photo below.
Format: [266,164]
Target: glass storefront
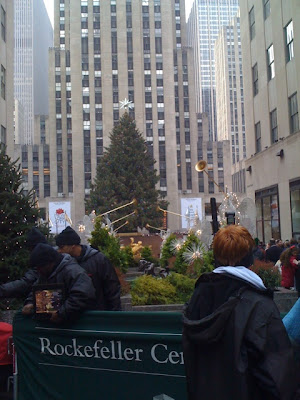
[295,208]
[267,214]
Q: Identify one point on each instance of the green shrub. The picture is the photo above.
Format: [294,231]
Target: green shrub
[146,254]
[175,289]
[109,245]
[166,251]
[149,290]
[128,255]
[184,286]
[267,272]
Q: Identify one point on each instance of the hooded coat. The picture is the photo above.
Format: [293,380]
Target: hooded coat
[20,287]
[78,288]
[104,278]
[234,343]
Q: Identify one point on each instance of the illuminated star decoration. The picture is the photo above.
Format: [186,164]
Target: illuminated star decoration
[126,104]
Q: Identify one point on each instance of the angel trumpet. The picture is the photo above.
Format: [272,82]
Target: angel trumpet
[121,226]
[134,201]
[125,216]
[200,167]
[171,212]
[153,227]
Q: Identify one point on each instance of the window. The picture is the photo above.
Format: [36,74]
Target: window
[158,45]
[252,23]
[114,42]
[3,24]
[97,45]
[294,118]
[295,208]
[129,43]
[113,21]
[146,44]
[84,45]
[3,135]
[114,62]
[257,138]
[274,127]
[267,8]
[3,81]
[130,78]
[267,214]
[289,33]
[255,79]
[271,62]
[57,59]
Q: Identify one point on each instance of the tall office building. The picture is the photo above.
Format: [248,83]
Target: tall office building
[106,51]
[204,23]
[33,37]
[230,98]
[6,66]
[270,32]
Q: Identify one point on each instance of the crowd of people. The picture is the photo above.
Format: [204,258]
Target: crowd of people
[285,255]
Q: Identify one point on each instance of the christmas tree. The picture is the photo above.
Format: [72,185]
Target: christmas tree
[126,172]
[18,214]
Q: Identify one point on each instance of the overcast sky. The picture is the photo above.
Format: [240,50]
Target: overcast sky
[50,8]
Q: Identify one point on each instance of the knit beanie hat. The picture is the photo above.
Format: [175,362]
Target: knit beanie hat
[67,237]
[34,236]
[42,255]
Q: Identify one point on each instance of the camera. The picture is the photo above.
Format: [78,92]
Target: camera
[230,217]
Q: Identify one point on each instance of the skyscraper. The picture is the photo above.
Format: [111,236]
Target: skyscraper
[230,98]
[6,70]
[33,37]
[106,51]
[205,20]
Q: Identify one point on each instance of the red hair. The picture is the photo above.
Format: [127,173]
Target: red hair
[231,244]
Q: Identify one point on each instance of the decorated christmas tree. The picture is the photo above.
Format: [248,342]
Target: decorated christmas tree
[18,214]
[126,172]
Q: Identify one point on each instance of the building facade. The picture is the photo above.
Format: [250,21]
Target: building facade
[7,76]
[230,98]
[33,37]
[204,23]
[271,65]
[106,51]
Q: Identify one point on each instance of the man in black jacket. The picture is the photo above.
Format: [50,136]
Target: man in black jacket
[273,252]
[22,287]
[53,268]
[98,267]
[234,343]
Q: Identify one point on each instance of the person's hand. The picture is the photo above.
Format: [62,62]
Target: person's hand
[296,262]
[55,318]
[28,309]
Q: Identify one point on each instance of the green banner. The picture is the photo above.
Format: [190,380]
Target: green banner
[104,355]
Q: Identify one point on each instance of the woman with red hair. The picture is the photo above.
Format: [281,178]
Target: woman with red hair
[289,266]
[234,343]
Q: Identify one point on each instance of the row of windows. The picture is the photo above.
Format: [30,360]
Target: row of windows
[288,30]
[294,123]
[3,24]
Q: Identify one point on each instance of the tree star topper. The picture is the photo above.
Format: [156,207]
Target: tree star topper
[126,104]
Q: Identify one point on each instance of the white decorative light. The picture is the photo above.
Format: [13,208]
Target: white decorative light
[126,104]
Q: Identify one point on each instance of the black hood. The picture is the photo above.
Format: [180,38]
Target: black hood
[210,329]
[214,300]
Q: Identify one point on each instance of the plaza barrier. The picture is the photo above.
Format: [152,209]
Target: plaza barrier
[107,355]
